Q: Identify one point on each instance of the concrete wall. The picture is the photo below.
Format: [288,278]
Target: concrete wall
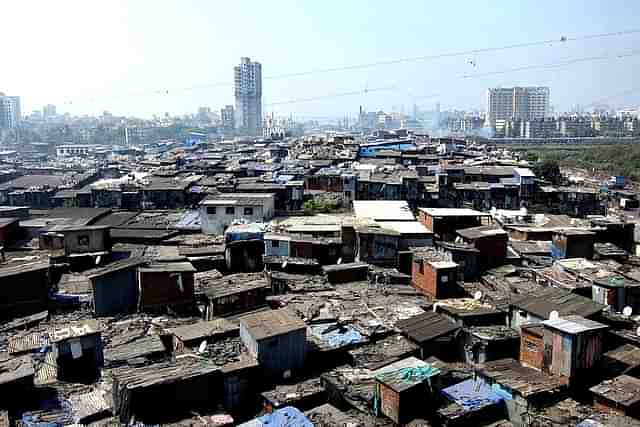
[216,223]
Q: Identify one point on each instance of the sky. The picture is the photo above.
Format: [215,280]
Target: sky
[145,57]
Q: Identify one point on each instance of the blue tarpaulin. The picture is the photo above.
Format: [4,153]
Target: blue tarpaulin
[283,417]
[472,395]
[338,337]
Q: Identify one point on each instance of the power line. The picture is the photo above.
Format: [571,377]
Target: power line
[396,87]
[562,40]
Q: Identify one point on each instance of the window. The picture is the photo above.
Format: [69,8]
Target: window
[275,243]
[83,240]
[211,210]
[230,210]
[248,211]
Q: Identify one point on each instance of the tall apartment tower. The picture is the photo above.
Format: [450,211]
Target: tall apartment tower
[520,103]
[10,114]
[248,93]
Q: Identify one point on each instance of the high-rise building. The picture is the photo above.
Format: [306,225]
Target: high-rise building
[48,111]
[227,117]
[248,93]
[517,103]
[10,115]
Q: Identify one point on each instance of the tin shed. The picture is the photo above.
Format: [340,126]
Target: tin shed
[115,287]
[404,389]
[165,284]
[278,339]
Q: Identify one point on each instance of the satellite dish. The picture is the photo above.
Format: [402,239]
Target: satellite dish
[477,295]
[554,315]
[203,347]
[284,265]
[98,258]
[339,261]
[627,311]
[638,331]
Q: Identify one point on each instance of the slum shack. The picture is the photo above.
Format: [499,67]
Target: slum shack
[281,283]
[278,340]
[466,256]
[467,312]
[431,332]
[375,355]
[115,287]
[523,389]
[376,245]
[444,222]
[193,335]
[349,387]
[235,293]
[574,345]
[537,307]
[572,244]
[23,289]
[490,240]
[78,351]
[532,345]
[435,279]
[180,387]
[9,231]
[470,403]
[303,395]
[166,284]
[621,360]
[350,272]
[619,396]
[130,346]
[481,344]
[16,381]
[406,389]
[328,415]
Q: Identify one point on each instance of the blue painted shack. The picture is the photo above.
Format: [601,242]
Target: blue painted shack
[115,287]
[278,339]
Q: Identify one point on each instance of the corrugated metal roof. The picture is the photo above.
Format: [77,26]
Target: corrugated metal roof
[519,379]
[27,343]
[271,323]
[574,324]
[88,405]
[425,327]
[623,390]
[15,369]
[203,329]
[168,267]
[564,302]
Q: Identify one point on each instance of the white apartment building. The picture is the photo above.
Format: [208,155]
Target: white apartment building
[517,103]
[248,93]
[220,211]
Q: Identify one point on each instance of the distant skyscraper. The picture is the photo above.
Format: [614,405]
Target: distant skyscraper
[10,115]
[522,103]
[48,111]
[248,93]
[227,116]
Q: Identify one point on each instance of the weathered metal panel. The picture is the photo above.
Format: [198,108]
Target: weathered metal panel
[116,292]
[390,403]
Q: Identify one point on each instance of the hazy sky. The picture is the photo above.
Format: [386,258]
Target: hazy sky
[123,56]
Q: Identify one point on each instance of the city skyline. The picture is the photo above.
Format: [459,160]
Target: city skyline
[138,68]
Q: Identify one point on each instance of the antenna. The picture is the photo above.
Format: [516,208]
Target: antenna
[554,315]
